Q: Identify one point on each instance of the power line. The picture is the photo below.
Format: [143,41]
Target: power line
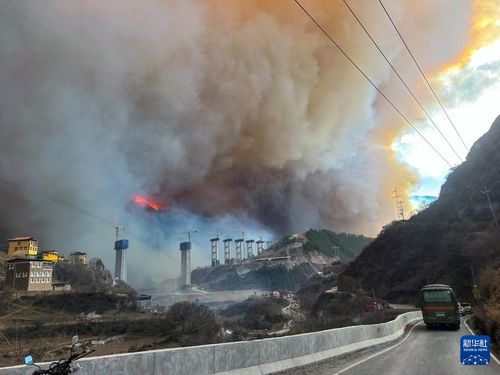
[487,192]
[423,75]
[371,82]
[401,79]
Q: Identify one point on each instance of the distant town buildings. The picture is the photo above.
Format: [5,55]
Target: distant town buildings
[24,274]
[78,257]
[30,270]
[23,247]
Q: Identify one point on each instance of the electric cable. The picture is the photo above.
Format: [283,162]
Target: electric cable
[402,81]
[423,74]
[372,83]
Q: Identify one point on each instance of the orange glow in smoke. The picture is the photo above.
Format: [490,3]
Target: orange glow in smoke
[484,30]
[148,203]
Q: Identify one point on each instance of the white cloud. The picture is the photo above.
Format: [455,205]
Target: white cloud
[472,113]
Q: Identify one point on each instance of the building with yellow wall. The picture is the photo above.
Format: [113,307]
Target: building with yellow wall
[23,247]
[52,256]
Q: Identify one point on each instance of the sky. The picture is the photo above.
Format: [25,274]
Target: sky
[472,116]
[233,115]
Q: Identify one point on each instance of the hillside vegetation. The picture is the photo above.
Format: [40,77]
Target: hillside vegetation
[345,245]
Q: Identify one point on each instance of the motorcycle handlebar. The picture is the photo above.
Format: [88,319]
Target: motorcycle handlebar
[58,367]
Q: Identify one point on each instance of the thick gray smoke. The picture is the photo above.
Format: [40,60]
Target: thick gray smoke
[235,114]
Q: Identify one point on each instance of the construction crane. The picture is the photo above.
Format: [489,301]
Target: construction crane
[239,231]
[117,230]
[189,233]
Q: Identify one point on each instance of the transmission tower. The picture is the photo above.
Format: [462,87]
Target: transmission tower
[399,205]
[487,192]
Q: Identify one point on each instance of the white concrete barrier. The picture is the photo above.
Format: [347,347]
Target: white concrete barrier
[244,357]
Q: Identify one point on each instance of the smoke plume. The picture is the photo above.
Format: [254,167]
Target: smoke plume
[233,114]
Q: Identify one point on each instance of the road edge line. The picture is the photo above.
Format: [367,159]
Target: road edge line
[381,352]
[474,333]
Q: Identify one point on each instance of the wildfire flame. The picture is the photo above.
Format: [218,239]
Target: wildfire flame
[148,203]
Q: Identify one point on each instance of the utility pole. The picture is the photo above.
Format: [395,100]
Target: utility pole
[399,205]
[487,192]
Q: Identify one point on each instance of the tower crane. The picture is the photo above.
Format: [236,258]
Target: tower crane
[189,233]
[117,230]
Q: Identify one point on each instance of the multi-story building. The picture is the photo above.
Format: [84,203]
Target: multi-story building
[23,247]
[144,302]
[78,257]
[52,256]
[28,275]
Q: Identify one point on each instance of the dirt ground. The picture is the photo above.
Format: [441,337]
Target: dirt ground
[45,350]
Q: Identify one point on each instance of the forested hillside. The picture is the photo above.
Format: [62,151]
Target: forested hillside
[346,245]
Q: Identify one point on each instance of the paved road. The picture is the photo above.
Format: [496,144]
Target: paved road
[423,351]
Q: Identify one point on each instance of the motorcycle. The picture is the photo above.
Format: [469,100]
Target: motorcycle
[62,367]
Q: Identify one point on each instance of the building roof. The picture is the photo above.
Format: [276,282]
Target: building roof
[19,260]
[436,286]
[78,253]
[142,297]
[51,252]
[22,238]
[25,260]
